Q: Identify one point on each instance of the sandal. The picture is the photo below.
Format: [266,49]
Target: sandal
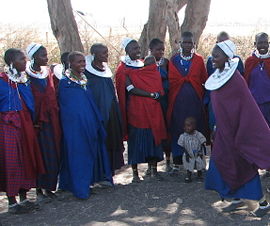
[260,212]
[136,179]
[155,175]
[233,206]
[41,198]
[50,194]
[188,180]
[17,209]
[168,168]
[30,205]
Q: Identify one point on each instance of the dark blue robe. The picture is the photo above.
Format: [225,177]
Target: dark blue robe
[187,104]
[85,158]
[104,95]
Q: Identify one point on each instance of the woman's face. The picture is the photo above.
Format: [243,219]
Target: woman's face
[78,64]
[102,54]
[262,44]
[187,44]
[134,50]
[219,58]
[158,51]
[19,62]
[41,57]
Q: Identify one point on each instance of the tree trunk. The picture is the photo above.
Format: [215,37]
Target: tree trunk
[180,4]
[64,26]
[173,7]
[196,16]
[156,25]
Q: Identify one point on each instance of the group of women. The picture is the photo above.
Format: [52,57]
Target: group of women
[65,123]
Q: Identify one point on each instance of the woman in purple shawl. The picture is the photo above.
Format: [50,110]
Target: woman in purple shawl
[257,74]
[241,144]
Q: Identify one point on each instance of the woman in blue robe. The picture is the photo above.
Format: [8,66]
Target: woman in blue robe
[99,80]
[85,158]
[187,74]
[46,122]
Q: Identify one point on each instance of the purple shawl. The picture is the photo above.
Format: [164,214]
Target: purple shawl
[242,140]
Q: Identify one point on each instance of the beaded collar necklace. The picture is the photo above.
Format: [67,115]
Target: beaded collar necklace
[15,76]
[186,57]
[43,73]
[80,81]
[160,62]
[133,63]
[261,56]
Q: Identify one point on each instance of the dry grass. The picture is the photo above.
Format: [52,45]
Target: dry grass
[21,37]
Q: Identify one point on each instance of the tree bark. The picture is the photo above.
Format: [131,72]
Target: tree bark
[196,16]
[156,25]
[64,26]
[180,4]
[173,8]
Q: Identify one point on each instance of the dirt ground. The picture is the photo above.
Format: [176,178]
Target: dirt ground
[167,202]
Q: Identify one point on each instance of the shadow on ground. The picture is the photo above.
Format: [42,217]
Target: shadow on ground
[167,202]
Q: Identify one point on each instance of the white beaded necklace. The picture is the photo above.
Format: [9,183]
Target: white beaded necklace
[43,73]
[186,57]
[82,81]
[261,56]
[15,76]
[133,63]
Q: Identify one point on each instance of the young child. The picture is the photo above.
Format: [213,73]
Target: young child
[149,60]
[192,143]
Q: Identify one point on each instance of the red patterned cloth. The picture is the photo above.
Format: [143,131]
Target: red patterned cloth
[197,76]
[141,112]
[47,110]
[20,157]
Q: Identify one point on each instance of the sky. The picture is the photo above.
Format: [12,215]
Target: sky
[235,16]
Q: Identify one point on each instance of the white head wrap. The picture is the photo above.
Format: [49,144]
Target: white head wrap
[32,49]
[228,48]
[125,42]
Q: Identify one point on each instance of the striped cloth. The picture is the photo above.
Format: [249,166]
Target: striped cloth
[12,177]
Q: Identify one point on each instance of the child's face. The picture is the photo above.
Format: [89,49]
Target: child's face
[189,127]
[158,51]
[149,60]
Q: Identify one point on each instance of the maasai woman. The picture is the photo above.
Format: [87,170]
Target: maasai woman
[157,48]
[46,119]
[257,74]
[99,80]
[142,114]
[222,36]
[241,144]
[20,157]
[85,158]
[187,74]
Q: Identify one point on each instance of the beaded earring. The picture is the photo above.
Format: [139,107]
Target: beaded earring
[227,65]
[32,61]
[12,69]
